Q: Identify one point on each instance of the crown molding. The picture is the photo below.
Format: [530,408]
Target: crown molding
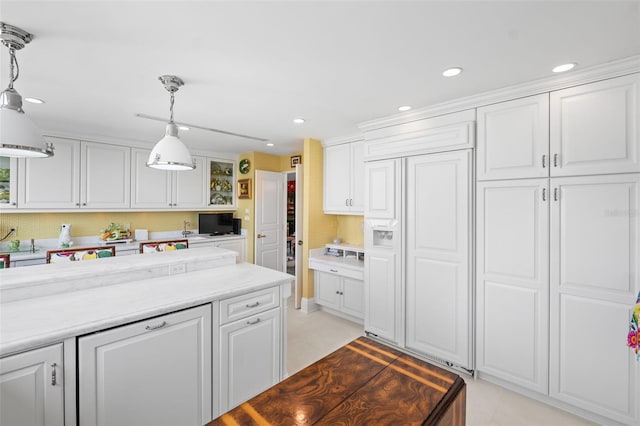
[603,71]
[342,139]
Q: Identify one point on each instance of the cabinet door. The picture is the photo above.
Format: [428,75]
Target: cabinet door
[595,128]
[152,372]
[383,294]
[327,289]
[382,189]
[438,278]
[595,254]
[512,307]
[31,388]
[8,179]
[221,184]
[352,297]
[54,182]
[189,187]
[150,188]
[356,198]
[513,139]
[106,176]
[336,185]
[249,357]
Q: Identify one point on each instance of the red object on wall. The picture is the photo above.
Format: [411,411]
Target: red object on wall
[291,186]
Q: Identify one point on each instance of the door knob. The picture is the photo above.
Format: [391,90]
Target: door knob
[299,242]
[261,236]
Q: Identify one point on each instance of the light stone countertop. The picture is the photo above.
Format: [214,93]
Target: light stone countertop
[38,321]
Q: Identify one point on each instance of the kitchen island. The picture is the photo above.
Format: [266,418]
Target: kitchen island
[174,331]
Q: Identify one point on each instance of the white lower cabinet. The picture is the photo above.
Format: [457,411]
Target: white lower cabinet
[238,245]
[512,298]
[341,293]
[595,264]
[250,346]
[156,371]
[32,388]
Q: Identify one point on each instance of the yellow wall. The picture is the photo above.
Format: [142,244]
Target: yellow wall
[350,229]
[246,208]
[47,225]
[317,228]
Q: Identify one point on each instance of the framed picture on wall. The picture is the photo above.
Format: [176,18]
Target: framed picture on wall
[244,189]
[296,159]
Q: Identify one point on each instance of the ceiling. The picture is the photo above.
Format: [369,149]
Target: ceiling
[251,67]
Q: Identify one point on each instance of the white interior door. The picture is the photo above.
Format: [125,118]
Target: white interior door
[298,239]
[270,220]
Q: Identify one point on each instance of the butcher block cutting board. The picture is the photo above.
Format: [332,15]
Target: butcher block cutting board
[362,383]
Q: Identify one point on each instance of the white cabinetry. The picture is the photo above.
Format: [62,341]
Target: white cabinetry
[250,346]
[595,128]
[31,388]
[513,281]
[161,189]
[588,129]
[79,175]
[238,245]
[513,139]
[438,276]
[383,292]
[340,293]
[344,178]
[595,252]
[156,371]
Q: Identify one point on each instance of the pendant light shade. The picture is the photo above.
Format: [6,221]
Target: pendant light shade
[170,153]
[19,137]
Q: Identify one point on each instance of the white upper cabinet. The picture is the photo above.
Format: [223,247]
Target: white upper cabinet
[105,176]
[595,128]
[344,178]
[513,139]
[162,189]
[79,175]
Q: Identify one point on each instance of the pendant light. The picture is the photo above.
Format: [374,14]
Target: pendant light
[170,153]
[19,137]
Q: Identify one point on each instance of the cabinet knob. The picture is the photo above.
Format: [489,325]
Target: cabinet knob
[84,204]
[13,204]
[544,161]
[555,194]
[346,202]
[77,204]
[544,194]
[253,305]
[155,327]
[555,160]
[54,374]
[253,322]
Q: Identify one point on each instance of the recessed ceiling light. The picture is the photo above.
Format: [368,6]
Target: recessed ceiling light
[184,128]
[270,144]
[298,120]
[34,100]
[564,67]
[404,108]
[450,72]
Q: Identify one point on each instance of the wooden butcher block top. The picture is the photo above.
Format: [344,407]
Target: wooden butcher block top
[362,383]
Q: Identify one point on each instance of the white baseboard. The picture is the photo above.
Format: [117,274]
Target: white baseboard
[308,305]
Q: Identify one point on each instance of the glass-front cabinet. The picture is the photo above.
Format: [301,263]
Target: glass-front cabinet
[8,176]
[222,184]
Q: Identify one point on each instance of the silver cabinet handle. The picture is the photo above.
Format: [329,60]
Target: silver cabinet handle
[346,202]
[555,194]
[351,202]
[333,270]
[13,204]
[555,160]
[155,327]
[253,305]
[253,322]
[54,374]
[77,204]
[544,194]
[544,161]
[337,292]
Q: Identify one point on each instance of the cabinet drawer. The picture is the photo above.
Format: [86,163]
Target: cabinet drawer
[249,304]
[336,269]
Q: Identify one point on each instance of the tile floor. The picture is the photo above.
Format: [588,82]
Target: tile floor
[315,335]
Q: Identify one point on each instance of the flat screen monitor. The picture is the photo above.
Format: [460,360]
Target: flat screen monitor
[215,223]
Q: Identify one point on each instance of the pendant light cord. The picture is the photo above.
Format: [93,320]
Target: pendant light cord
[13,63]
[171,109]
